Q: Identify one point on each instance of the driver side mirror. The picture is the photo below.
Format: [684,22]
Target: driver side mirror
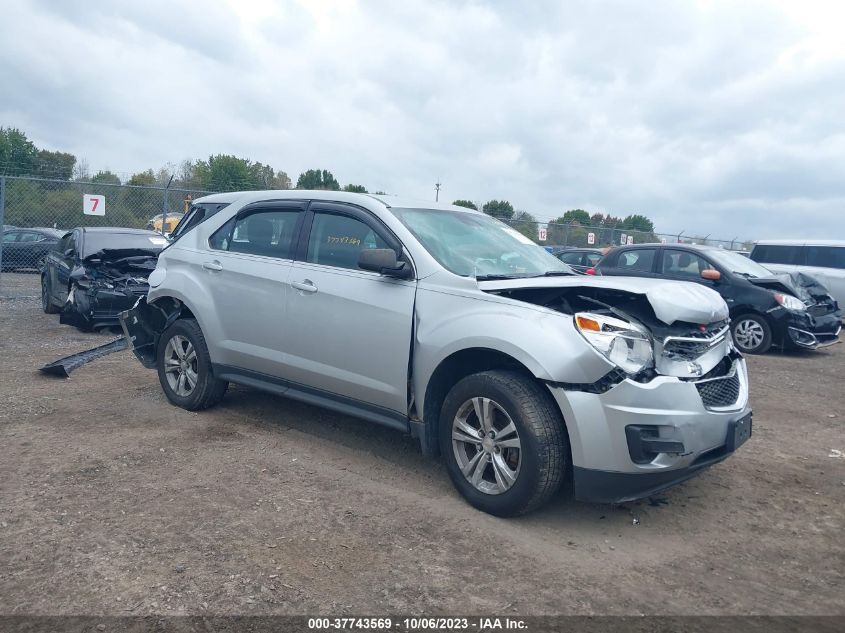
[711,275]
[68,252]
[384,262]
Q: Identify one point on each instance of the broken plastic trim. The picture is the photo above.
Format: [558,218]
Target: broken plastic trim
[64,366]
[143,324]
[603,384]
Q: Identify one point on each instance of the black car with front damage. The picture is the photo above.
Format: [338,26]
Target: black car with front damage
[788,310]
[94,273]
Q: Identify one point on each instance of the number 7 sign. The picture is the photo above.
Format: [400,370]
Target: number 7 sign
[93,205]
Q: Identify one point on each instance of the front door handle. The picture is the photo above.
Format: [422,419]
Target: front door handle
[306,285]
[215,265]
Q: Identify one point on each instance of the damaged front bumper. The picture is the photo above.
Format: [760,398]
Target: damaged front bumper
[641,437]
[93,306]
[809,332]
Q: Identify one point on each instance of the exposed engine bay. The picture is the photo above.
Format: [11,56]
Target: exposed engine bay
[104,285]
[687,330]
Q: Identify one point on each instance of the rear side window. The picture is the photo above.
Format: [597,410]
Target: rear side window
[776,254]
[267,233]
[826,256]
[640,260]
[574,259]
[337,240]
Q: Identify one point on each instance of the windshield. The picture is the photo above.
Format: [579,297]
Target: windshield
[96,242]
[477,245]
[738,264]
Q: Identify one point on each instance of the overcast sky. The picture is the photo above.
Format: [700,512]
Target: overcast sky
[715,117]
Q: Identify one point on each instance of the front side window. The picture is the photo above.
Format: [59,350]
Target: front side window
[337,240]
[477,245]
[640,260]
[267,233]
[683,264]
[776,254]
[30,237]
[826,256]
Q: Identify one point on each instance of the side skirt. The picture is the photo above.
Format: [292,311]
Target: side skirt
[317,397]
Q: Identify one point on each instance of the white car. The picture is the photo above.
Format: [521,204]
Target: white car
[822,259]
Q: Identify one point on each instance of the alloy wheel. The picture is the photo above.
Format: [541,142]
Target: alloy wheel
[749,334]
[180,365]
[486,445]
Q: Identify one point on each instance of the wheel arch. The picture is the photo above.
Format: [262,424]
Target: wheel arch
[449,371]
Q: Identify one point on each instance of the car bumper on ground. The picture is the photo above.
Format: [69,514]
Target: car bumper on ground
[639,438]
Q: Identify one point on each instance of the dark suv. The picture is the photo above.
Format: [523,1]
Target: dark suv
[788,310]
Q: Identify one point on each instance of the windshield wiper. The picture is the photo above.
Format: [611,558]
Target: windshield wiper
[555,273]
[499,277]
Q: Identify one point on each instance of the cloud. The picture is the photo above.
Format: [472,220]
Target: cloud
[709,116]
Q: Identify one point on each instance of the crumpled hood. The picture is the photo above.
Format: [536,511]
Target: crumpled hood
[671,300]
[805,287]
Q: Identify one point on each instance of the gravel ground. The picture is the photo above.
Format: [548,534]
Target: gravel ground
[113,502]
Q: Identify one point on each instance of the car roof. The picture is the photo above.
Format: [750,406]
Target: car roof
[580,249]
[807,242]
[334,196]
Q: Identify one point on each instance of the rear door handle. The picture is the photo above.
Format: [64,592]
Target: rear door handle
[215,265]
[306,285]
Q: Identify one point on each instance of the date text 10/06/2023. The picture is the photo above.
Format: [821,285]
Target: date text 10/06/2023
[417,624]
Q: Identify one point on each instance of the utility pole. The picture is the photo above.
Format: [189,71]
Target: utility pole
[437,191]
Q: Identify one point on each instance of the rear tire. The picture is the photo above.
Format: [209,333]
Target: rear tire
[521,464]
[46,301]
[184,367]
[752,333]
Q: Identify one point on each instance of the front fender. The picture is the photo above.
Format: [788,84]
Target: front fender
[544,341]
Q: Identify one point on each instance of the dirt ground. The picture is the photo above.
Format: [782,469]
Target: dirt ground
[114,502]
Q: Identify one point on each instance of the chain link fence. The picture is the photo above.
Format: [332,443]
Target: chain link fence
[553,235]
[36,212]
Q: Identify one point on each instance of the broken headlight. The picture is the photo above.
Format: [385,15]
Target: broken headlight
[789,302]
[624,344]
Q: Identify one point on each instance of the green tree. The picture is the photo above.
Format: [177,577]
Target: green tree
[526,224]
[317,179]
[105,178]
[58,165]
[638,222]
[224,172]
[575,215]
[640,227]
[143,179]
[355,188]
[501,209]
[18,155]
[466,204]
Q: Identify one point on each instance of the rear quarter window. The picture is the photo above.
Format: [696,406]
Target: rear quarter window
[825,256]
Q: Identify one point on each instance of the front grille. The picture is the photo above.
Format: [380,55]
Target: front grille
[719,392]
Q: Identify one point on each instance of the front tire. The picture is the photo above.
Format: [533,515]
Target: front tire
[504,442]
[184,367]
[752,334]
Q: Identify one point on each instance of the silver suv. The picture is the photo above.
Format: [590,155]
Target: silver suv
[447,324]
